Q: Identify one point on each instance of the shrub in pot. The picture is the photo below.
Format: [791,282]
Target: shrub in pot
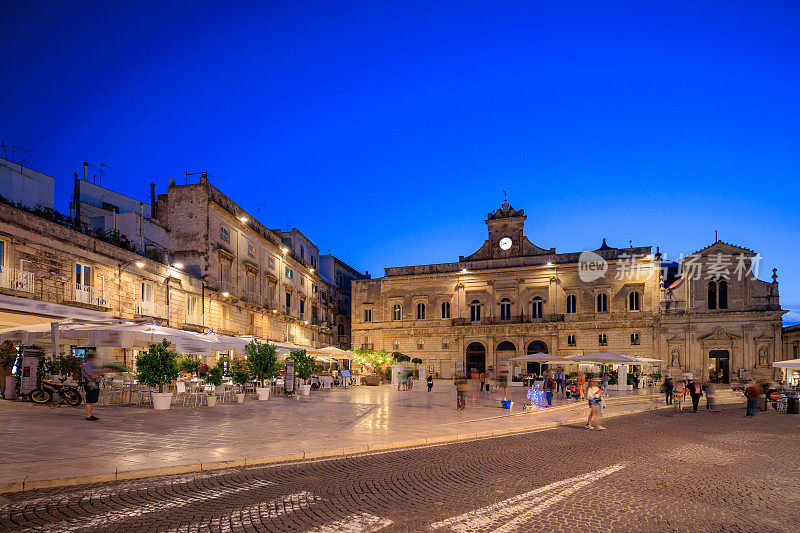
[262,363]
[214,377]
[303,368]
[157,367]
[189,363]
[240,378]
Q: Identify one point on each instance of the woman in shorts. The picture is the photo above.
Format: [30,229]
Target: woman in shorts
[594,393]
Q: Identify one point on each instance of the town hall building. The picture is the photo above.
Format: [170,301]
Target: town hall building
[707,314]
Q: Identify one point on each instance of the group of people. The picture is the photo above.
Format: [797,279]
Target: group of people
[676,391]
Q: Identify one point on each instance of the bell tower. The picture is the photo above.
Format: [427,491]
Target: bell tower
[505,231]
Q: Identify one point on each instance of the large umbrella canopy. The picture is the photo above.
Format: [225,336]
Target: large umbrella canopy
[791,363]
[226,342]
[288,347]
[606,357]
[563,362]
[541,357]
[335,353]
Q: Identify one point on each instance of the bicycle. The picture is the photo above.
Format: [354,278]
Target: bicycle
[67,393]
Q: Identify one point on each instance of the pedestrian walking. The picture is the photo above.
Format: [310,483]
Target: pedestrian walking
[594,393]
[695,389]
[708,390]
[411,381]
[752,392]
[90,378]
[483,381]
[430,383]
[561,377]
[667,389]
[462,387]
[605,381]
[549,386]
[679,395]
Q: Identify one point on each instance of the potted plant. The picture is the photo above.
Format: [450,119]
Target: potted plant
[155,368]
[240,377]
[214,377]
[303,368]
[262,362]
[416,361]
[189,364]
[8,355]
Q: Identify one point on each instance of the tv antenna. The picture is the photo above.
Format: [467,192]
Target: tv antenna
[14,149]
[288,226]
[258,209]
[505,197]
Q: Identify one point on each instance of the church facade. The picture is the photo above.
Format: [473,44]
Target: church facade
[708,313]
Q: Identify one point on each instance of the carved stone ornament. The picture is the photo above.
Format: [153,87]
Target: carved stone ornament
[675,358]
[763,356]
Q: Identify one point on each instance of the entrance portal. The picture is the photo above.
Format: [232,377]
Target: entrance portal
[476,360]
[536,347]
[719,365]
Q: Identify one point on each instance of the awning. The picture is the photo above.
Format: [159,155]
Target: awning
[791,363]
[607,357]
[540,357]
[16,311]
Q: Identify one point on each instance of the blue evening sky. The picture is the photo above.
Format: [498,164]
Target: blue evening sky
[386,131]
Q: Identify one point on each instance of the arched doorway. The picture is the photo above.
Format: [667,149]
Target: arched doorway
[476,360]
[536,347]
[503,354]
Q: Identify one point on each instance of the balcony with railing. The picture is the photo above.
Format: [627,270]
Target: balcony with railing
[516,319]
[253,297]
[231,288]
[154,309]
[86,294]
[255,331]
[364,346]
[194,317]
[16,279]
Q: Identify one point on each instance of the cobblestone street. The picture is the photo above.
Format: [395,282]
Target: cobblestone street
[654,471]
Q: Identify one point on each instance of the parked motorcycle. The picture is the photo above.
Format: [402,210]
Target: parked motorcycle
[67,393]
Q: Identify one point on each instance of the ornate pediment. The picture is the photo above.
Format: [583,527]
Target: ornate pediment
[506,211]
[725,248]
[718,334]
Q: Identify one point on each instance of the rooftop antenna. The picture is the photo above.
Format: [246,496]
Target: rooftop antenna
[505,197]
[13,153]
[5,152]
[288,226]
[716,238]
[260,205]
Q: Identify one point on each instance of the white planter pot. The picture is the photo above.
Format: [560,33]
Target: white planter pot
[10,388]
[161,400]
[211,401]
[305,390]
[629,387]
[239,397]
[262,393]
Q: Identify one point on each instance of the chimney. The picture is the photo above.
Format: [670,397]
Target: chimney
[153,200]
[85,171]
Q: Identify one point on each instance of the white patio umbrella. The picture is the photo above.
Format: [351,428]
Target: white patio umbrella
[538,357]
[335,353]
[791,363]
[606,357]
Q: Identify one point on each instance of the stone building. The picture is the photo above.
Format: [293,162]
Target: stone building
[259,281]
[49,271]
[512,297]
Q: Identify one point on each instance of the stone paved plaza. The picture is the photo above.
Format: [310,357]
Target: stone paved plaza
[652,471]
[56,442]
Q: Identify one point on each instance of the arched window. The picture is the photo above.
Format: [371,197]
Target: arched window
[420,311]
[445,309]
[633,301]
[572,304]
[445,344]
[536,307]
[602,303]
[722,294]
[712,294]
[505,309]
[475,311]
[396,345]
[396,312]
[420,344]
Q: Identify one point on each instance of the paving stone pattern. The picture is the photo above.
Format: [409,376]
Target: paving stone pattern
[654,471]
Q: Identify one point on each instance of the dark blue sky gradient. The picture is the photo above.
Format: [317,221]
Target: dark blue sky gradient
[386,131]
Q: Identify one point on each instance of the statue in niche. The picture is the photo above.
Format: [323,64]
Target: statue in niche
[762,357]
[675,358]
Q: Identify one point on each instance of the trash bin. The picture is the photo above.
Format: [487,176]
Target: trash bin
[793,404]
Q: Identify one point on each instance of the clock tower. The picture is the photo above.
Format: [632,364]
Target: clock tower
[505,231]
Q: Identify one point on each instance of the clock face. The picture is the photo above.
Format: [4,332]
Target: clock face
[505,243]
